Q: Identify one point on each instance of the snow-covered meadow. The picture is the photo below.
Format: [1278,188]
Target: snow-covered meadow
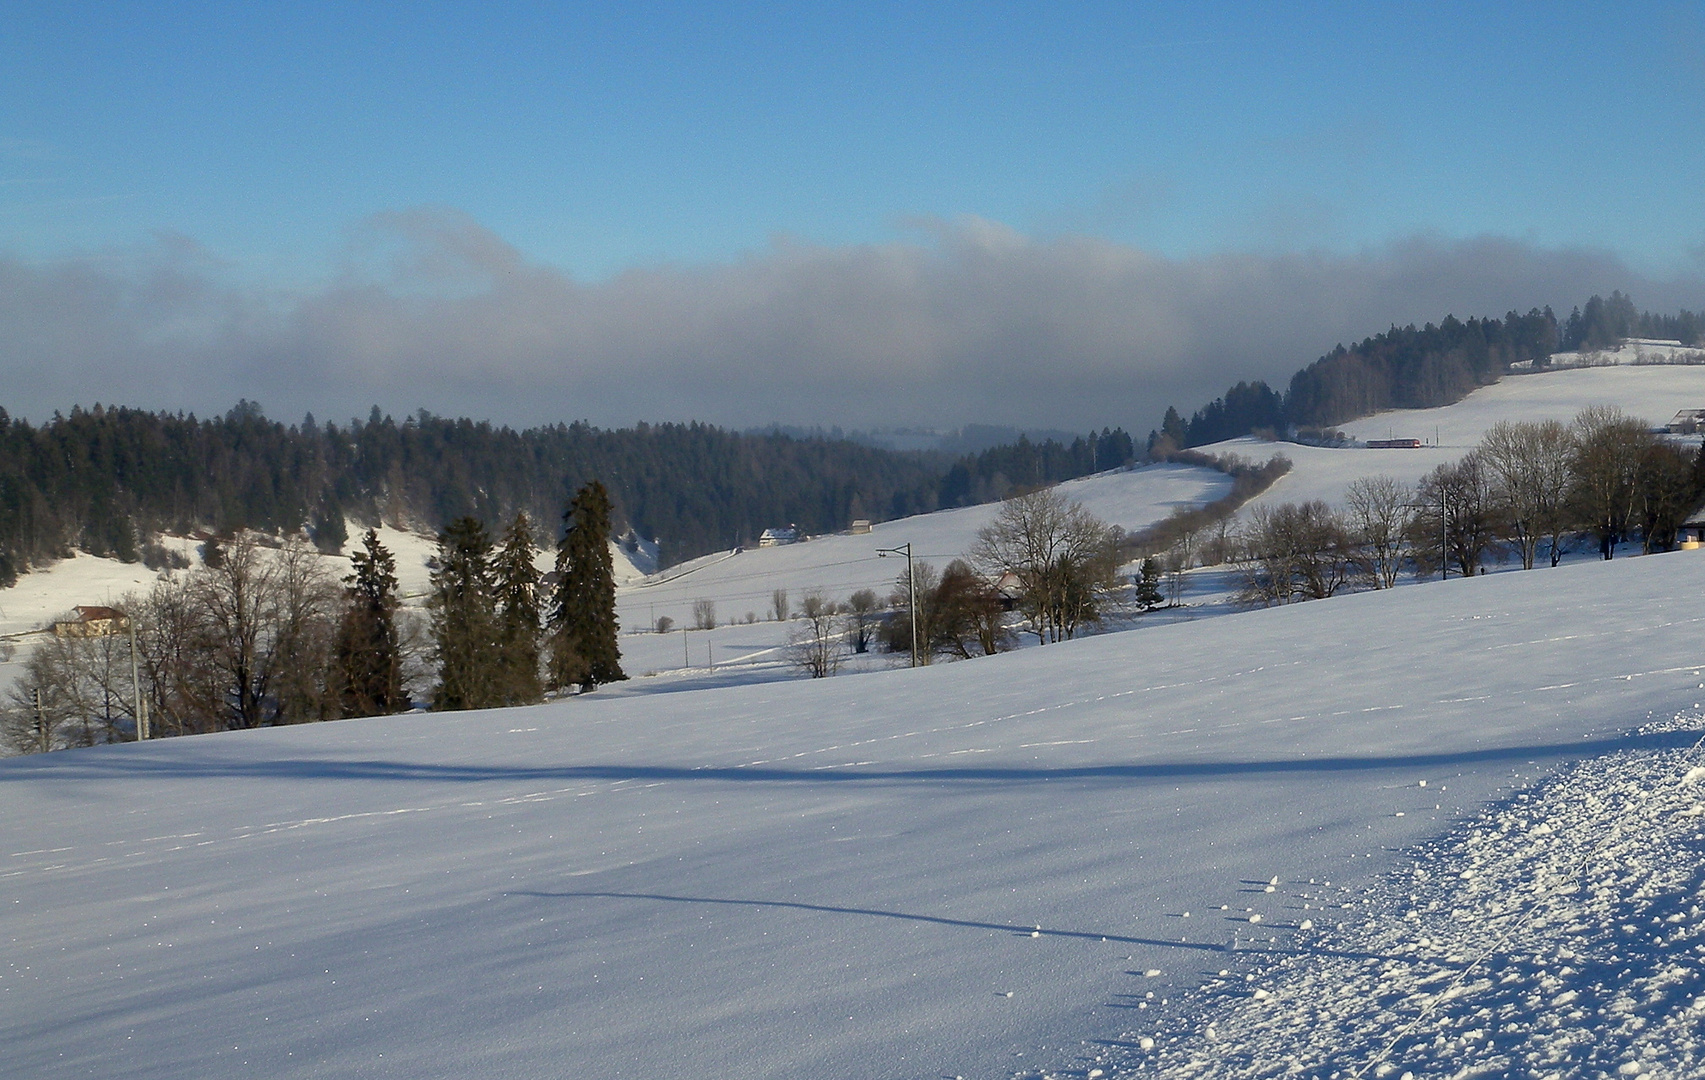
[1653,393]
[1557,933]
[1077,860]
[841,878]
[743,584]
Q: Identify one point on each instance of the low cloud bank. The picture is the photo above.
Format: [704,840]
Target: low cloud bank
[968,323]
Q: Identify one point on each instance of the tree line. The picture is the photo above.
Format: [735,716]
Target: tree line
[1604,322]
[108,480]
[999,471]
[260,634]
[1531,491]
[1415,368]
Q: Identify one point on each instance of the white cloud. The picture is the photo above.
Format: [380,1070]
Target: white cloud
[971,323]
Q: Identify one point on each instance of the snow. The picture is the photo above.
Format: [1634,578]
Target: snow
[49,593]
[1653,393]
[843,563]
[1632,351]
[833,878]
[1558,933]
[1221,847]
[839,565]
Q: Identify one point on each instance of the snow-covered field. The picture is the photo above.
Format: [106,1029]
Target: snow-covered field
[1653,393]
[1631,351]
[841,878]
[1082,857]
[1558,933]
[743,584]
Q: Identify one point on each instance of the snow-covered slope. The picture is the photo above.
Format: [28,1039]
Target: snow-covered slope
[1632,351]
[743,584]
[1653,393]
[843,563]
[1556,934]
[976,870]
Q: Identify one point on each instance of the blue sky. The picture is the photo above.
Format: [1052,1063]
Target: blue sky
[598,141]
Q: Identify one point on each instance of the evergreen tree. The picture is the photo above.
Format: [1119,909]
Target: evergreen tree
[1173,428]
[1148,585]
[583,624]
[369,658]
[518,614]
[464,619]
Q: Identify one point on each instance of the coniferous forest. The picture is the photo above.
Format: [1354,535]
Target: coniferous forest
[105,480]
[1417,368]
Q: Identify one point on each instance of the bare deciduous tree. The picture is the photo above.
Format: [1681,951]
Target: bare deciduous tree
[1609,447]
[1528,465]
[303,637]
[1066,559]
[1471,524]
[1665,495]
[862,607]
[817,645]
[896,631]
[968,614]
[184,687]
[82,694]
[1178,561]
[1381,514]
[238,599]
[1295,551]
[704,614]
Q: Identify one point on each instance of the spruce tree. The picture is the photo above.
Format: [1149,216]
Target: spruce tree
[369,660]
[464,619]
[518,614]
[583,621]
[1148,585]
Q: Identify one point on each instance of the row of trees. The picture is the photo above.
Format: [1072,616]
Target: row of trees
[1528,491]
[1604,322]
[260,636]
[1413,367]
[496,643]
[106,480]
[999,471]
[1406,367]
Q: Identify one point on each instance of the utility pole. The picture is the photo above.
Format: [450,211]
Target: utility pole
[1444,536]
[911,590]
[136,686]
[41,721]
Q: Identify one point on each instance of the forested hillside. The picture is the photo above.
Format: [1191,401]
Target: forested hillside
[1417,368]
[106,479]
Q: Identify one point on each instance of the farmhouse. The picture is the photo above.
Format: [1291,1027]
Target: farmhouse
[778,537]
[90,622]
[1686,422]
